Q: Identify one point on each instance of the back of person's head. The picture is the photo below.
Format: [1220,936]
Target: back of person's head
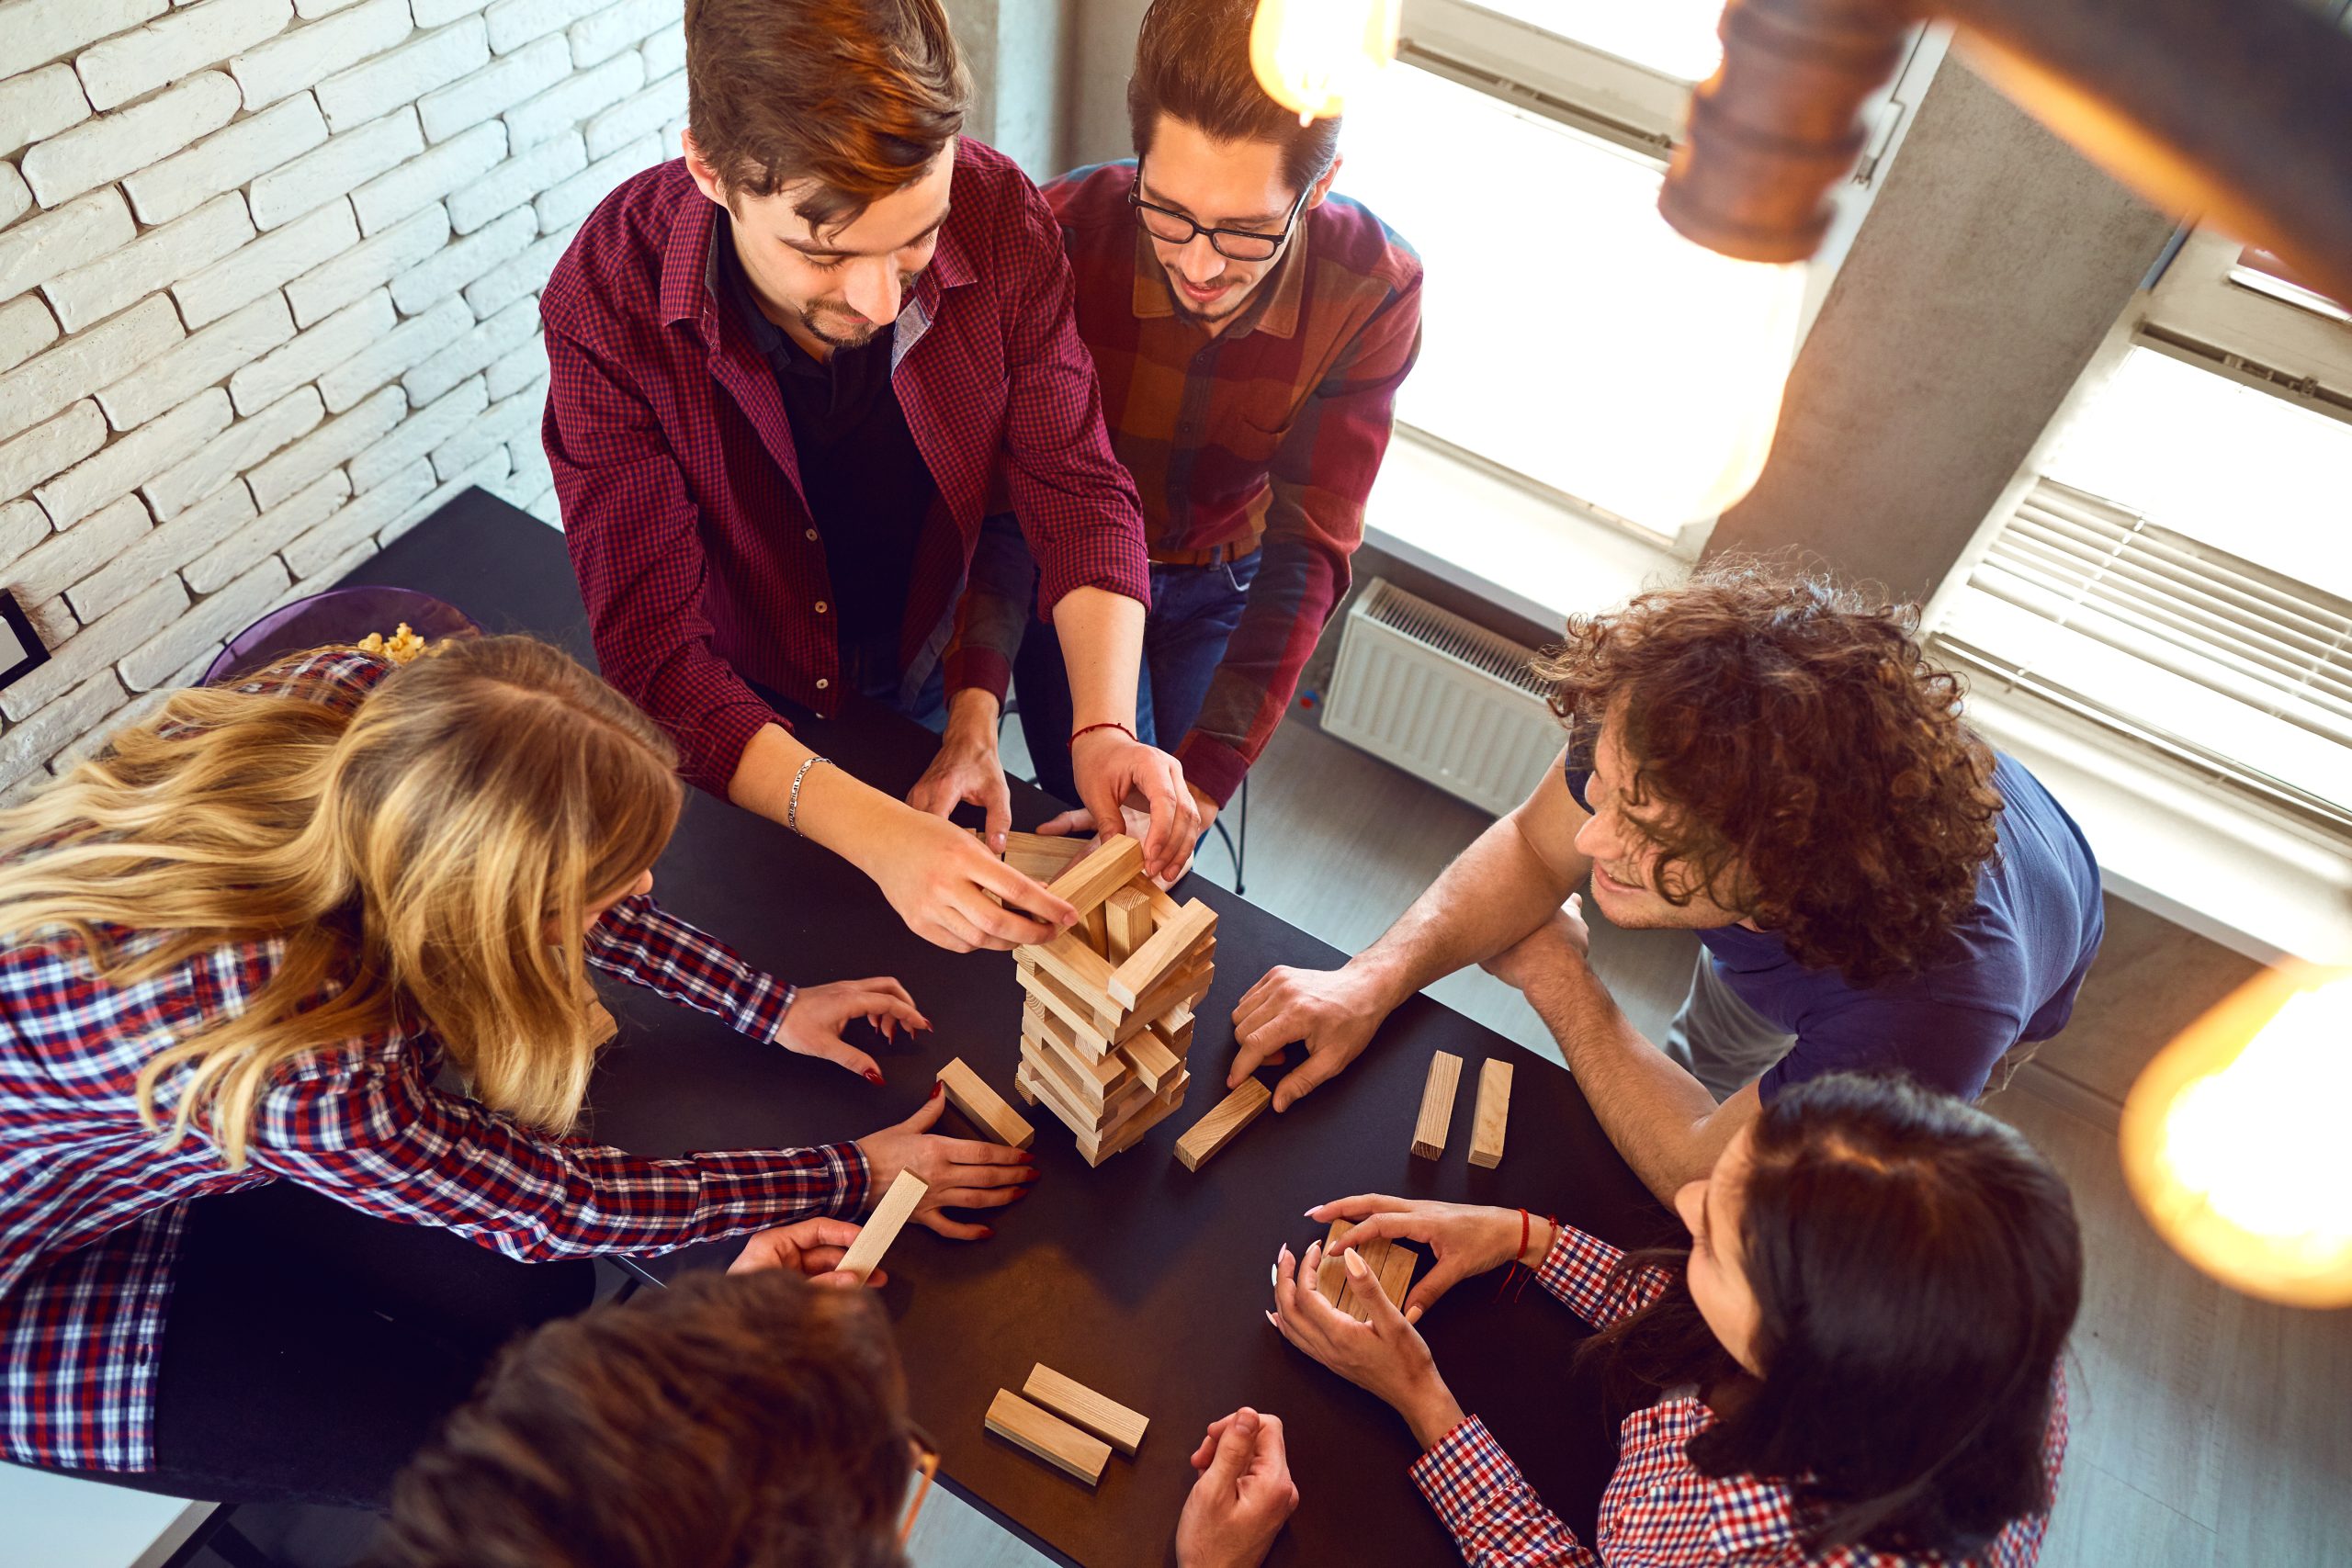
[1795,747]
[852,98]
[1193,63]
[1917,1268]
[427,853]
[733,1421]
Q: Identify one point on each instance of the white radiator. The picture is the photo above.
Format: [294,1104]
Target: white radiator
[1441,697]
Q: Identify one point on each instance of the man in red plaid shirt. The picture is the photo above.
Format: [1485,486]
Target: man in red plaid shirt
[1250,329]
[769,496]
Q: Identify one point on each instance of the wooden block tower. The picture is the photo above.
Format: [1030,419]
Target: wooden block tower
[1108,1019]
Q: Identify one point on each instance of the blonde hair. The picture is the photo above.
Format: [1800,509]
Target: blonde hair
[410,855]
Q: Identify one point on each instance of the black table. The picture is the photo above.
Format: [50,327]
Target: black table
[1141,1279]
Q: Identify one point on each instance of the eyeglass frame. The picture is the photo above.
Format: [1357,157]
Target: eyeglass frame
[1135,200]
[926,1455]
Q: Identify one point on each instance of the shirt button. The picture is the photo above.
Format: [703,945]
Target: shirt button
[810,536]
[822,683]
[821,607]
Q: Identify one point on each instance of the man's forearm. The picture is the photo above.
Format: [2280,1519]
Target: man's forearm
[1661,1119]
[1494,893]
[1102,638]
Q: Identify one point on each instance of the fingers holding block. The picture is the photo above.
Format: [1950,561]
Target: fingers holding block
[984,1108]
[881,1227]
[1047,1435]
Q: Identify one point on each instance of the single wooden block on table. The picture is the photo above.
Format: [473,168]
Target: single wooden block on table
[881,1227]
[1493,1116]
[1437,1104]
[1074,1402]
[1047,1435]
[983,1107]
[1168,950]
[1127,914]
[1219,1127]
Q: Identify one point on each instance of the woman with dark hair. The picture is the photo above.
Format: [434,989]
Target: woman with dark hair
[1856,1364]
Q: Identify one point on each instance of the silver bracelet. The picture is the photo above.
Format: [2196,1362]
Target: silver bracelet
[792,807]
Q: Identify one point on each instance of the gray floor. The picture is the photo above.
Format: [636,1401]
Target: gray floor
[2210,1431]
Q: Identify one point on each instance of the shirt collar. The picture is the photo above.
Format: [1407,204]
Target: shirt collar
[1273,305]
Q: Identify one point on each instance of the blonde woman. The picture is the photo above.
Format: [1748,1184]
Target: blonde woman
[324,937]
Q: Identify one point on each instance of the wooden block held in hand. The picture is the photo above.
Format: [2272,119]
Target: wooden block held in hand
[1331,1276]
[983,1107]
[1396,1272]
[1128,913]
[881,1227]
[1076,1403]
[1047,1435]
[1113,865]
[1219,1127]
[1493,1116]
[1437,1105]
[1041,858]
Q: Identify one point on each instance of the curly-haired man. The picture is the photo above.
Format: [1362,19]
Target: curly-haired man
[1768,759]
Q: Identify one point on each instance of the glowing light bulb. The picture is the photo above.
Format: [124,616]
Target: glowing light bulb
[2233,1140]
[1667,412]
[1310,54]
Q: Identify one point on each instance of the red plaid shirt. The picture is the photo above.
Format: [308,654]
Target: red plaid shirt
[92,1204]
[1658,1511]
[674,460]
[1266,435]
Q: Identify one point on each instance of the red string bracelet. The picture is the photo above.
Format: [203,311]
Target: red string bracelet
[1106,724]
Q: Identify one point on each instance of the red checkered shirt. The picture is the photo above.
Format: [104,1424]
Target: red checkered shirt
[1658,1510]
[700,563]
[92,1204]
[1266,435]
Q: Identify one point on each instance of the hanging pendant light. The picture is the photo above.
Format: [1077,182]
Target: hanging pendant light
[1310,54]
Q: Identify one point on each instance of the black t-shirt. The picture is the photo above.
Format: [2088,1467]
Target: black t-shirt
[866,485]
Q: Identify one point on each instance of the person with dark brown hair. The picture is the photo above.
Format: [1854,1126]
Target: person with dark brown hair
[788,371]
[746,1420]
[1856,1363]
[1251,329]
[1769,760]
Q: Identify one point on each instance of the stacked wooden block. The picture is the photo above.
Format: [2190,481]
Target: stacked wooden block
[1108,1019]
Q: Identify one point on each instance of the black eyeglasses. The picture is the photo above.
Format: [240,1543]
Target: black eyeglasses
[1173,228]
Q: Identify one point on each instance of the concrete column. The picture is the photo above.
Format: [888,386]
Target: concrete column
[1016,51]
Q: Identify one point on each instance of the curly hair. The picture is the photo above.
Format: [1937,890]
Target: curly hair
[1794,750]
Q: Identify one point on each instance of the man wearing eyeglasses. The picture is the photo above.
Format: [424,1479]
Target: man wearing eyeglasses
[1249,329]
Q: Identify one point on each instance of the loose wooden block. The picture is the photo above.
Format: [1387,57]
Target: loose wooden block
[1493,1114]
[1074,1402]
[1437,1104]
[1167,950]
[881,1227]
[1127,914]
[1113,865]
[1331,1276]
[968,1093]
[1047,1435]
[1218,1128]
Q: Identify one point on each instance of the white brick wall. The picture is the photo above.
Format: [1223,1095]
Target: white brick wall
[268,279]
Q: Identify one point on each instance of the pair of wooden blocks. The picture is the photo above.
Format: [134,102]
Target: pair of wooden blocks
[1065,1423]
[1107,1023]
[1391,1265]
[1437,1109]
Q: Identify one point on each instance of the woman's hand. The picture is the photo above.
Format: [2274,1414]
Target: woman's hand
[1462,1241]
[939,877]
[1243,1496]
[1110,769]
[963,1173]
[818,1013]
[1385,1357]
[969,768]
[1563,939]
[813,1247]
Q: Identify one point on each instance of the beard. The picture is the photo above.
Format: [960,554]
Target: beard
[829,321]
[1222,306]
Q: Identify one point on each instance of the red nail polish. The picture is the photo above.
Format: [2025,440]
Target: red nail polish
[935,1088]
[872,1076]
[987,1233]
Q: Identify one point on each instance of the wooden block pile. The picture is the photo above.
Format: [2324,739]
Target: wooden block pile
[1391,1263]
[1065,1423]
[1108,1019]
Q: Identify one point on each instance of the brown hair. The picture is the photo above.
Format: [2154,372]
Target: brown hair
[1193,62]
[855,97]
[1795,750]
[732,1421]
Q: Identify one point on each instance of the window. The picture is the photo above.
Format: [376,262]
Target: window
[1676,37]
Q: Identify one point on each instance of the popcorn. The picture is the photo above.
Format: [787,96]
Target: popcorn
[402,645]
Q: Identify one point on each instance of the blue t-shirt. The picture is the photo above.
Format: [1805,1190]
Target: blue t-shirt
[2019,956]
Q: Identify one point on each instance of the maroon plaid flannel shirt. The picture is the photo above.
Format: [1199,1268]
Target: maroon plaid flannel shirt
[1659,1510]
[674,460]
[92,1204]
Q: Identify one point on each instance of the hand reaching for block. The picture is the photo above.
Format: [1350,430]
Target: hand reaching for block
[962,1173]
[813,1249]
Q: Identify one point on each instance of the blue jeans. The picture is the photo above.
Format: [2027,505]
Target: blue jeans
[1193,612]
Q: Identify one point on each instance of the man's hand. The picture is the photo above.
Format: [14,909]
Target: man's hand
[1333,1011]
[939,877]
[818,1014]
[963,1173]
[1243,1496]
[813,1247]
[1562,939]
[1385,1356]
[1110,769]
[967,768]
